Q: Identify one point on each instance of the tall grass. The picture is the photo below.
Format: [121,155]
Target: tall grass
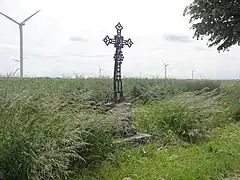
[188,116]
[231,91]
[42,143]
[100,90]
[52,128]
[203,120]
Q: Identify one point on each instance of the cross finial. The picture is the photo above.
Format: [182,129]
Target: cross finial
[119,26]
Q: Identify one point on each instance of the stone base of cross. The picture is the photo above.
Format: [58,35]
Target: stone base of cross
[119,43]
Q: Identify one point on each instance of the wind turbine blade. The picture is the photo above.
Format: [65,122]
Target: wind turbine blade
[164,63]
[15,71]
[9,18]
[16,60]
[30,17]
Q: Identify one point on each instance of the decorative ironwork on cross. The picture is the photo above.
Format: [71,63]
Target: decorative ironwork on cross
[119,43]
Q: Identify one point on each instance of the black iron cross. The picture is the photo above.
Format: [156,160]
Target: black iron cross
[119,43]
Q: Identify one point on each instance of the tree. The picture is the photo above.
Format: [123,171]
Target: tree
[217,19]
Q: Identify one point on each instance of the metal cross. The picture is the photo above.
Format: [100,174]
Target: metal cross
[119,43]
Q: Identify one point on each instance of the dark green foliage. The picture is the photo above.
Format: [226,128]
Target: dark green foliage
[218,19]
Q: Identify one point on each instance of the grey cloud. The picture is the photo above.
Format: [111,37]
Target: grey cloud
[177,38]
[77,38]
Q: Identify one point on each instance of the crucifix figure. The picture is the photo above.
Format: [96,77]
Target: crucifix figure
[119,43]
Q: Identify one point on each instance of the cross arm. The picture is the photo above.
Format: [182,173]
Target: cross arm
[108,40]
[128,42]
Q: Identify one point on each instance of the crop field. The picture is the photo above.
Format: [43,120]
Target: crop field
[58,128]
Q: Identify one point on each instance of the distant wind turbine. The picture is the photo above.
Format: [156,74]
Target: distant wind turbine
[193,74]
[100,71]
[21,24]
[165,68]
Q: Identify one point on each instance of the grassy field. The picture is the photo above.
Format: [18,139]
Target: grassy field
[59,129]
[214,159]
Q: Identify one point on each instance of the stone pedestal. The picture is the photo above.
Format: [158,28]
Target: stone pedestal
[123,114]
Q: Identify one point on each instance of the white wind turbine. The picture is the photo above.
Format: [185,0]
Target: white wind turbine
[20,25]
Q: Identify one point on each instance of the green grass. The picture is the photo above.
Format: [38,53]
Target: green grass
[40,139]
[188,116]
[58,128]
[214,159]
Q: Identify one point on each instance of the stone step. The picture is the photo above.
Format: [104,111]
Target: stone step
[138,138]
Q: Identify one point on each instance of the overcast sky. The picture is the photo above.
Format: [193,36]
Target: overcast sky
[65,38]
